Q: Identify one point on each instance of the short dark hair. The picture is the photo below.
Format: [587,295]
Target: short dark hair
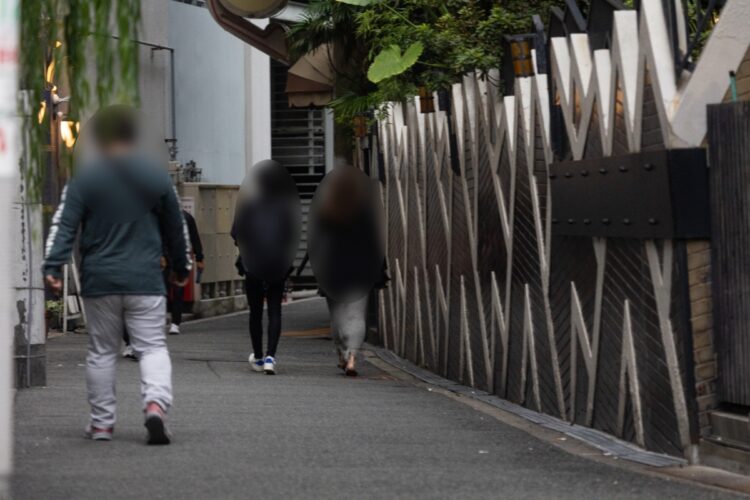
[116,124]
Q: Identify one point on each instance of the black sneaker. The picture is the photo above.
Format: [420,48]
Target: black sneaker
[157,429]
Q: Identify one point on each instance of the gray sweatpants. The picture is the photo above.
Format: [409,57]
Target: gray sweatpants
[144,316]
[348,324]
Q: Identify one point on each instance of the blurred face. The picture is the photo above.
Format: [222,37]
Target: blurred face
[118,131]
[344,234]
[344,196]
[116,148]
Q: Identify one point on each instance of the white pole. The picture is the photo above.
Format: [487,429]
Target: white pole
[9,155]
[65,299]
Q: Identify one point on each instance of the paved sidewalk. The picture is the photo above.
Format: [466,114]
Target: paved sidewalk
[307,432]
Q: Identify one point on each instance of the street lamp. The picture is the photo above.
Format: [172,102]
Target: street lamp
[426,100]
[517,60]
[520,51]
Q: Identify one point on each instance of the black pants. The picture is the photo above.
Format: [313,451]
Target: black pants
[256,291]
[176,304]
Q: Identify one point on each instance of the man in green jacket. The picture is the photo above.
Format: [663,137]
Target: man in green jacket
[124,204]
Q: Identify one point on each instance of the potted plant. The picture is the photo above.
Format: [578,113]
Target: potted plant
[53,314]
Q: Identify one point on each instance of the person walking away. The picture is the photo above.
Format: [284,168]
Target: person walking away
[346,253]
[258,292]
[128,352]
[349,320]
[122,201]
[177,293]
[266,229]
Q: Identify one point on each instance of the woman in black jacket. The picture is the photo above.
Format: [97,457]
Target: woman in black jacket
[177,293]
[266,229]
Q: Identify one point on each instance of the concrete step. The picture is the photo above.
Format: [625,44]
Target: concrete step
[719,454]
[730,428]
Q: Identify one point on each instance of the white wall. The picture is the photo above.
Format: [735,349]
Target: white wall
[153,77]
[257,104]
[222,96]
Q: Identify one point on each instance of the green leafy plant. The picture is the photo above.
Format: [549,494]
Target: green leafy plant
[385,49]
[391,62]
[61,42]
[693,6]
[360,3]
[53,306]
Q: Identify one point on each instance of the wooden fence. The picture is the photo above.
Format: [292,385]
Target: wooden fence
[488,291]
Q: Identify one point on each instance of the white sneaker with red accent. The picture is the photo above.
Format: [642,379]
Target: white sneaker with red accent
[98,433]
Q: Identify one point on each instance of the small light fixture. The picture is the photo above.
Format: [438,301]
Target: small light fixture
[520,50]
[360,126]
[426,100]
[50,73]
[42,112]
[69,132]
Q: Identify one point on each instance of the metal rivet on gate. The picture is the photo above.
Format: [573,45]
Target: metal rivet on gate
[653,221]
[602,170]
[648,166]
[626,221]
[587,221]
[623,168]
[584,173]
[568,175]
[571,221]
[554,221]
[605,221]
[552,176]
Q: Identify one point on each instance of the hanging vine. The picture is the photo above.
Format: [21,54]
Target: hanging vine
[65,44]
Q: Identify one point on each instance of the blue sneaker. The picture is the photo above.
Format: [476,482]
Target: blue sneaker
[255,364]
[269,365]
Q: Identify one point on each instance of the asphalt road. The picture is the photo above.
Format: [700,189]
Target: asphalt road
[308,432]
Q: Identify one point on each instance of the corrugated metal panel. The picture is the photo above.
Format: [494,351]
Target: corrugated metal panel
[728,132]
[298,143]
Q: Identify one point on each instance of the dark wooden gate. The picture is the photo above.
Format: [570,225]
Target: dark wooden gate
[729,142]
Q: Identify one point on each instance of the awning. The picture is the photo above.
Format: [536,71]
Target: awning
[310,80]
[271,40]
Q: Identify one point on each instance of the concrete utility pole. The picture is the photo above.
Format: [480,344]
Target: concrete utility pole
[9,154]
[29,331]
